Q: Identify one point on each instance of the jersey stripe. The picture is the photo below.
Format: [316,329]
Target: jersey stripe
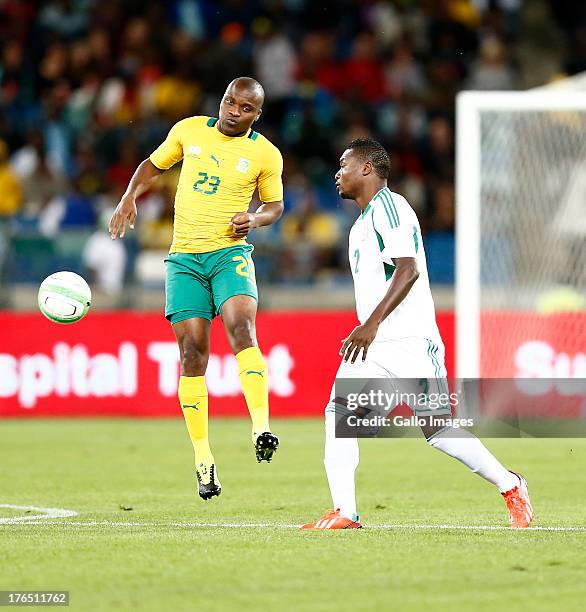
[384,205]
[389,198]
[390,195]
[389,268]
[432,352]
[379,238]
[432,349]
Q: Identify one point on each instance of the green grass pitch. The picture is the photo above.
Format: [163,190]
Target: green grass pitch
[133,544]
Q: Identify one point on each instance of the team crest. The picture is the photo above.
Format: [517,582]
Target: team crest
[194,150]
[243,165]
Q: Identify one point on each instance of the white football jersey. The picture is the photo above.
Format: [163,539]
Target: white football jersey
[388,228]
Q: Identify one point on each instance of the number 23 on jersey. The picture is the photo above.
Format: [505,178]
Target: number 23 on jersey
[206,184]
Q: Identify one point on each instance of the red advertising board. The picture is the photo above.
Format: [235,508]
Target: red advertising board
[545,354]
[126,364]
[532,345]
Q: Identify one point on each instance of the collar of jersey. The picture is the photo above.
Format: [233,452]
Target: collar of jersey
[369,206]
[213,123]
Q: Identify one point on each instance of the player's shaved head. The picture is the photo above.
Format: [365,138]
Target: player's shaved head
[241,106]
[367,149]
[248,84]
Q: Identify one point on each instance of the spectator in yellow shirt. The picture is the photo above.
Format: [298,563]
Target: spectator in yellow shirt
[10,187]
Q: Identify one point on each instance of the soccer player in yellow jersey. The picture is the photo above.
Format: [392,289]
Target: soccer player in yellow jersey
[209,270]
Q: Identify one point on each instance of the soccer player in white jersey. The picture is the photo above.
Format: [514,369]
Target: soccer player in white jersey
[397,336]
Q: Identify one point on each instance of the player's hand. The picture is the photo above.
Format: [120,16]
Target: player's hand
[125,213]
[359,340]
[242,223]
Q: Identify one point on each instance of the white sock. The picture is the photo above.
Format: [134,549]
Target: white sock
[467,448]
[341,460]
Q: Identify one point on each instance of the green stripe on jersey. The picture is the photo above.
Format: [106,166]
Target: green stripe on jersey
[389,199]
[432,350]
[383,203]
[378,193]
[389,270]
[379,239]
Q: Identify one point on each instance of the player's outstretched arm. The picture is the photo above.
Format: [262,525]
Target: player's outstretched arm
[142,180]
[267,214]
[361,338]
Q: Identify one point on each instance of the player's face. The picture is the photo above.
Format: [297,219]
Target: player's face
[349,175]
[239,109]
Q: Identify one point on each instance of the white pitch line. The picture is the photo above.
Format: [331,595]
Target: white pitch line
[385,527]
[478,527]
[46,513]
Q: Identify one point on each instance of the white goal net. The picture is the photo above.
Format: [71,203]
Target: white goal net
[521,235]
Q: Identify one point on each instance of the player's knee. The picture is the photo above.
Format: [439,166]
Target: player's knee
[194,359]
[242,335]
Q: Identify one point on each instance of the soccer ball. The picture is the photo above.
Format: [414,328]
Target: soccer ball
[64,297]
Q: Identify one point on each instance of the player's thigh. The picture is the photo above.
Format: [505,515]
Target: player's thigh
[239,316]
[416,365]
[231,274]
[355,375]
[410,357]
[188,292]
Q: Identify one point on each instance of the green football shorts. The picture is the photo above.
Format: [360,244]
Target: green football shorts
[198,284]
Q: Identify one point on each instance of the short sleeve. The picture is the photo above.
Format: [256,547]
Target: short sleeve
[270,181]
[170,151]
[397,237]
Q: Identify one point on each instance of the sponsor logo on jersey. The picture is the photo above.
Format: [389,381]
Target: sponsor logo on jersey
[218,160]
[243,165]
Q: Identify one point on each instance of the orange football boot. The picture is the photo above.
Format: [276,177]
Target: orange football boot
[519,504]
[333,520]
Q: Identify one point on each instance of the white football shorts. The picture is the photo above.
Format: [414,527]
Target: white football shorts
[402,358]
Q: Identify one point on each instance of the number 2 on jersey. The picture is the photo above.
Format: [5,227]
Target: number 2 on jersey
[213,182]
[357,257]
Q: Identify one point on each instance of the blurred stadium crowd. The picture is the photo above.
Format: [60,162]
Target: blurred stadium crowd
[88,88]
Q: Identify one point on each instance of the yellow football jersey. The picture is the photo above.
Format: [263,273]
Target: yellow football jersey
[218,178]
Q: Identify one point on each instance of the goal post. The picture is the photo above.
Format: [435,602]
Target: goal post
[520,225]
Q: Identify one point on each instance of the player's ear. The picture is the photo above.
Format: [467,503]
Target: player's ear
[258,114]
[367,168]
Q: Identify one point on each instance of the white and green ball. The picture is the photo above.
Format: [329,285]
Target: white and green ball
[64,297]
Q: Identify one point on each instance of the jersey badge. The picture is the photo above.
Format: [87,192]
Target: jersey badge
[243,165]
